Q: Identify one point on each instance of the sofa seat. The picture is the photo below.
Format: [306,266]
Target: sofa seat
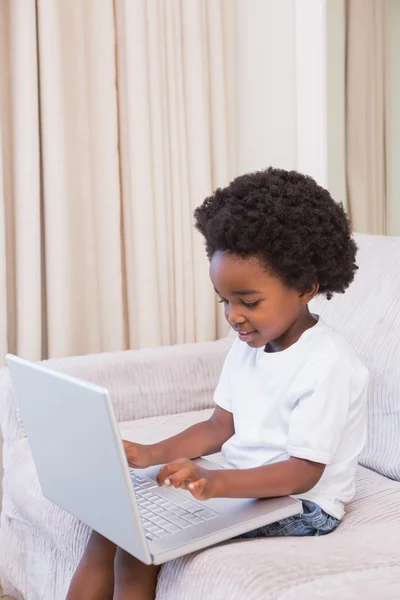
[362,553]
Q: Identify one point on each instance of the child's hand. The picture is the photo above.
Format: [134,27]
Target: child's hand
[201,483]
[138,455]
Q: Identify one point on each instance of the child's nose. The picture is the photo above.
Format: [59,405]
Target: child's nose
[233,316]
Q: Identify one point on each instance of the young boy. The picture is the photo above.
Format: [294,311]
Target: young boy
[291,399]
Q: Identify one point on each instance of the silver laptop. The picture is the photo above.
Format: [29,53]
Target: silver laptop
[82,467]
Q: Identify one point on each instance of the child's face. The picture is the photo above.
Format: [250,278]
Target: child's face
[257,304]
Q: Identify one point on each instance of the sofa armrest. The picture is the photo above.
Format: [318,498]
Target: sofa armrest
[142,383]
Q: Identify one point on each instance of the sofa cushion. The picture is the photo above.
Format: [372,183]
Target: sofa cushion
[363,549]
[377,501]
[368,316]
[288,569]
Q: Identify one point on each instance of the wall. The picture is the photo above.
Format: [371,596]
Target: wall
[290,88]
[265,79]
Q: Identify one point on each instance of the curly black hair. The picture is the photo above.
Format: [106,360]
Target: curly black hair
[286,220]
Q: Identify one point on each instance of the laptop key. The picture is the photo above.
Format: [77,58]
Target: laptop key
[150,536]
[146,514]
[160,501]
[204,513]
[145,503]
[152,517]
[190,507]
[171,528]
[159,521]
[139,479]
[164,523]
[178,521]
[163,502]
[161,533]
[158,509]
[193,519]
[177,510]
[151,497]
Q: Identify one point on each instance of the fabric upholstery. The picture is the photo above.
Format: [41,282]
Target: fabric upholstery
[368,316]
[46,542]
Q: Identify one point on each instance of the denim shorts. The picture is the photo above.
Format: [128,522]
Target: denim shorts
[312,521]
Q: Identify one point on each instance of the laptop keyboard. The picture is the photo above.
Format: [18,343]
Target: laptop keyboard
[162,517]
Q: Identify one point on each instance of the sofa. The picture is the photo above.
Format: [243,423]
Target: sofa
[158,392]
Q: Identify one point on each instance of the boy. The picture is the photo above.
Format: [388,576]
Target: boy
[290,402]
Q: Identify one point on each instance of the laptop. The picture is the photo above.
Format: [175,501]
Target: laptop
[82,467]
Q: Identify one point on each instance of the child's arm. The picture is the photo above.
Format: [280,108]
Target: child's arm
[198,440]
[288,477]
[285,478]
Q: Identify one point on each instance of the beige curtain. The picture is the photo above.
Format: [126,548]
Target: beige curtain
[367,114]
[116,120]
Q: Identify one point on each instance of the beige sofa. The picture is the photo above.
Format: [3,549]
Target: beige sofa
[160,391]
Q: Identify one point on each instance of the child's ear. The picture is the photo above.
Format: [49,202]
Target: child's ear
[306,297]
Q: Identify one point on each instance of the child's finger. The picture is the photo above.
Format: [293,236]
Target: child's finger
[169,469]
[197,487]
[178,478]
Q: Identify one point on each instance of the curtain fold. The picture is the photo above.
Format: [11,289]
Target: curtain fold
[116,122]
[80,171]
[21,285]
[367,114]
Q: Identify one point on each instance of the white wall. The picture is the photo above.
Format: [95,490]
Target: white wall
[290,88]
[266,87]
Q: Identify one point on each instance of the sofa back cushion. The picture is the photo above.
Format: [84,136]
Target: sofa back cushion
[368,316]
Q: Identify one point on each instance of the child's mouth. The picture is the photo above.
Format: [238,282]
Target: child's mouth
[247,336]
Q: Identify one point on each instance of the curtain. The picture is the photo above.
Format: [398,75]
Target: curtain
[367,115]
[116,121]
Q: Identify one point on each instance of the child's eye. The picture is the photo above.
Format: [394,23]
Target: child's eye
[223,301]
[251,304]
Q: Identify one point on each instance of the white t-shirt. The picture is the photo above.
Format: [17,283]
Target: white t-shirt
[307,401]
